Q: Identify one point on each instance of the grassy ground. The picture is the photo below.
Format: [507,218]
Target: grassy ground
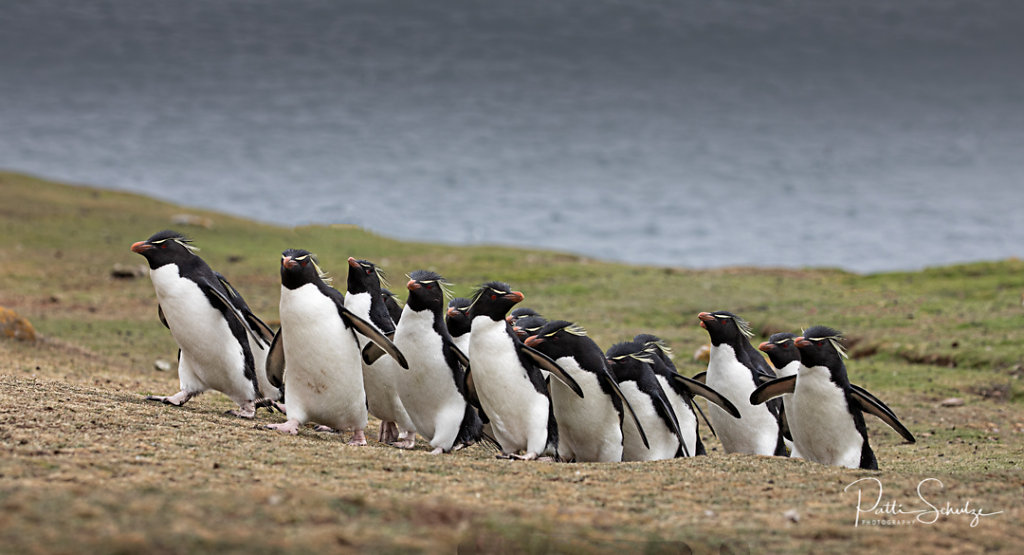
[87,465]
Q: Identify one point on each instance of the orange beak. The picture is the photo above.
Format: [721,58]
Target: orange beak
[533,340]
[766,346]
[141,247]
[288,263]
[413,285]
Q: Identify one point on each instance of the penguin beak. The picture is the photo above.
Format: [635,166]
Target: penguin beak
[514,296]
[533,340]
[141,247]
[288,263]
[452,312]
[705,317]
[352,262]
[766,346]
[414,285]
[801,342]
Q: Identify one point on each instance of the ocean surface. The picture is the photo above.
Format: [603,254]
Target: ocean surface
[870,135]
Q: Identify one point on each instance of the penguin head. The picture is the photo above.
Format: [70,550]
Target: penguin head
[493,299]
[391,302]
[166,247]
[556,339]
[426,291]
[657,347]
[821,346]
[364,277]
[781,349]
[521,312]
[526,326]
[457,317]
[628,360]
[725,327]
[299,267]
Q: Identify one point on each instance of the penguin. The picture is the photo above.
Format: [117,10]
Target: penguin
[526,326]
[316,351]
[589,428]
[506,376]
[735,369]
[433,392]
[363,298]
[391,301]
[222,344]
[458,323]
[631,366]
[827,419]
[785,357]
[520,312]
[680,391]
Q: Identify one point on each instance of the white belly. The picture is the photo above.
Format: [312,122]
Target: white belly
[684,414]
[822,427]
[517,411]
[427,389]
[756,432]
[380,378]
[323,373]
[663,443]
[213,358]
[588,428]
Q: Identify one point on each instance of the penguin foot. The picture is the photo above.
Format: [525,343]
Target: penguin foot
[325,429]
[526,457]
[358,439]
[404,444]
[178,399]
[289,427]
[388,433]
[437,451]
[245,410]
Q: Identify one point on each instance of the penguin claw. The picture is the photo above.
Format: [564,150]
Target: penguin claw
[325,429]
[358,439]
[289,427]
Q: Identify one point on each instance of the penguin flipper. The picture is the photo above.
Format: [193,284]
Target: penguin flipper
[373,334]
[773,389]
[869,403]
[662,406]
[463,359]
[607,377]
[253,322]
[372,352]
[699,388]
[701,377]
[275,361]
[228,309]
[471,395]
[711,428]
[545,362]
[160,314]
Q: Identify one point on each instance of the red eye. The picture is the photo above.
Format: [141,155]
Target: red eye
[429,286]
[163,246]
[303,263]
[367,272]
[493,297]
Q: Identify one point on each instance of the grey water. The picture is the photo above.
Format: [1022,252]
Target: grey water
[869,135]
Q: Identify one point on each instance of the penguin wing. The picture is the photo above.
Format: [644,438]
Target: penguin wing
[371,333]
[699,388]
[608,379]
[372,351]
[160,314]
[773,389]
[275,361]
[228,309]
[471,395]
[253,322]
[545,362]
[871,404]
[664,409]
[701,377]
[461,356]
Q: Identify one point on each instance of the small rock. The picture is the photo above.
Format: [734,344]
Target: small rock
[952,402]
[14,326]
[792,515]
[127,271]
[703,354]
[162,365]
[192,219]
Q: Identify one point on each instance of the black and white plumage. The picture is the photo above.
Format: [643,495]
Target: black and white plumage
[433,390]
[525,326]
[458,322]
[316,352]
[826,412]
[391,302]
[507,378]
[521,312]
[631,366]
[735,369]
[380,376]
[589,427]
[680,391]
[222,344]
[785,357]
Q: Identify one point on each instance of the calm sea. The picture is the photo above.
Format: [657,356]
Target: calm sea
[871,135]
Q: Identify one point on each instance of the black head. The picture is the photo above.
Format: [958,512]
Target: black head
[528,325]
[821,346]
[426,291]
[628,360]
[391,302]
[558,338]
[493,299]
[299,267]
[725,327]
[781,349]
[657,347]
[457,319]
[166,247]
[520,312]
[363,277]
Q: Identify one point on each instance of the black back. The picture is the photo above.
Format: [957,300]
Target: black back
[364,277]
[391,302]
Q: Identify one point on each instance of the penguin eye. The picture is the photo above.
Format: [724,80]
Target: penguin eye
[303,263]
[493,297]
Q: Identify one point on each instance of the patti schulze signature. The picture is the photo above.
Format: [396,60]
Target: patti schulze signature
[884,512]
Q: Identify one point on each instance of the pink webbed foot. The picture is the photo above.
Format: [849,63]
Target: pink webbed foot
[325,429]
[388,432]
[245,410]
[178,399]
[288,427]
[358,439]
[406,440]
